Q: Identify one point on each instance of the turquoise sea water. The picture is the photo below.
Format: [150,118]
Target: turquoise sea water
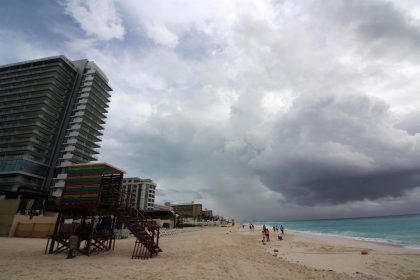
[393,230]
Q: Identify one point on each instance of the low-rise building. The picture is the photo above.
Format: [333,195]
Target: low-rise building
[188,210]
[163,207]
[207,214]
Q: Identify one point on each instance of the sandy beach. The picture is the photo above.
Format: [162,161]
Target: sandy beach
[217,253]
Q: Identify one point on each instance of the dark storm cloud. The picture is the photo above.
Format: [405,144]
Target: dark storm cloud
[336,186]
[328,149]
[339,149]
[379,27]
[161,146]
[170,194]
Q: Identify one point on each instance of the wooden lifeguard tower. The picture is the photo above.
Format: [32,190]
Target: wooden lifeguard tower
[93,197]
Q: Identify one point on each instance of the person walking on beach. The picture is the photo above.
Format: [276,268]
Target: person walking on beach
[73,245]
[282,229]
[267,234]
[74,240]
[264,233]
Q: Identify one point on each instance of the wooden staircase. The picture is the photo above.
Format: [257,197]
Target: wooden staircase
[141,226]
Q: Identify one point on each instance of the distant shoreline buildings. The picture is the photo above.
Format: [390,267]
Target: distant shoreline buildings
[191,210]
[52,112]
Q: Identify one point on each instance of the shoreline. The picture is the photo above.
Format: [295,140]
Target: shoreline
[216,253]
[344,255]
[386,242]
[361,239]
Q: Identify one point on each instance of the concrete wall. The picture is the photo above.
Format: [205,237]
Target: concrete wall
[48,218]
[34,230]
[8,209]
[9,219]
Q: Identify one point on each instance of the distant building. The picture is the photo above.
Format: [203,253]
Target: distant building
[207,214]
[164,207]
[52,112]
[143,191]
[188,210]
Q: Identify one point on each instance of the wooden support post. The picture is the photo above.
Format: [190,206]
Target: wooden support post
[112,234]
[54,236]
[89,241]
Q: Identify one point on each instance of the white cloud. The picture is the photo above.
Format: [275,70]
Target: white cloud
[161,35]
[98,18]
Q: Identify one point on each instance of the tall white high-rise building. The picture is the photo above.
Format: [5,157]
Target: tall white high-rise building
[144,191]
[52,112]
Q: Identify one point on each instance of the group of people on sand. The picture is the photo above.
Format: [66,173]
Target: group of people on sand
[276,229]
[266,233]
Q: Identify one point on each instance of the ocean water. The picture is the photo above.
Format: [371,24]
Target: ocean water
[392,230]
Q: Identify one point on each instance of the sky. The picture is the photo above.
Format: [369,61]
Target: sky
[259,110]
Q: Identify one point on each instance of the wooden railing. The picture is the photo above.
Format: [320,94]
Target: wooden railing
[139,223]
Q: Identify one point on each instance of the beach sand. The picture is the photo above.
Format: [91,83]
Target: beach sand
[217,253]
